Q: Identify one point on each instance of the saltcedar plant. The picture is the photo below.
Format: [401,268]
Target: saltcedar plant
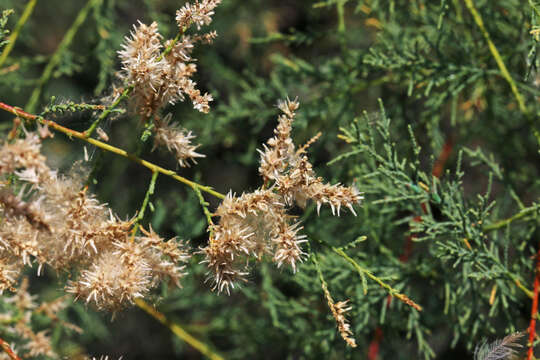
[448,167]
[53,220]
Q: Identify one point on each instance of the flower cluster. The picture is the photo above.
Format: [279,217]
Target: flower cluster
[256,224]
[199,13]
[338,312]
[53,220]
[159,77]
[160,73]
[19,309]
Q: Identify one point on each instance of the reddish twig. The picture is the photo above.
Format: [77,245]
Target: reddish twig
[7,349]
[438,167]
[534,308]
[373,349]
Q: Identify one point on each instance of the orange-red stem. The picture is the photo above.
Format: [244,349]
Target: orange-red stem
[7,349]
[534,308]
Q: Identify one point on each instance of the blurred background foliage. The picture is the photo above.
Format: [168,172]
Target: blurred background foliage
[458,155]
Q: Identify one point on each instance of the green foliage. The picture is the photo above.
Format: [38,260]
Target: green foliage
[3,31]
[415,111]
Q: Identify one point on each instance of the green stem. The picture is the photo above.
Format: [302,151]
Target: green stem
[57,56]
[178,331]
[107,111]
[365,272]
[204,205]
[393,292]
[149,192]
[140,214]
[171,45]
[496,55]
[505,222]
[16,31]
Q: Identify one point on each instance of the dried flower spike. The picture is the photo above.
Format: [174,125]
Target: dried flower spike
[257,224]
[177,141]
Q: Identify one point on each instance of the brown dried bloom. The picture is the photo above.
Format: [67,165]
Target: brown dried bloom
[252,225]
[257,224]
[159,78]
[177,141]
[129,270]
[56,223]
[23,153]
[338,312]
[292,172]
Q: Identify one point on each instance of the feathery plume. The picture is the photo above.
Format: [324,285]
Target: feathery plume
[500,349]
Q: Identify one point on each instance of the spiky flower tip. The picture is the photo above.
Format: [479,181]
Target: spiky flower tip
[177,140]
[293,174]
[257,224]
[251,226]
[338,312]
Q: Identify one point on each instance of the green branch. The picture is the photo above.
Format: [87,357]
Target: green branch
[178,331]
[498,59]
[519,216]
[13,37]
[57,56]
[365,272]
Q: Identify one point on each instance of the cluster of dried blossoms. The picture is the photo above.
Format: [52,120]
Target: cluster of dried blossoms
[160,73]
[338,312]
[257,224]
[50,221]
[20,307]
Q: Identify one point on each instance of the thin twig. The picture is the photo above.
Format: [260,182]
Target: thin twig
[57,56]
[505,222]
[496,55]
[365,272]
[7,349]
[402,297]
[79,135]
[16,31]
[107,111]
[178,331]
[140,214]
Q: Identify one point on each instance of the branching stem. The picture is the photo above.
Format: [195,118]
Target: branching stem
[79,135]
[519,216]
